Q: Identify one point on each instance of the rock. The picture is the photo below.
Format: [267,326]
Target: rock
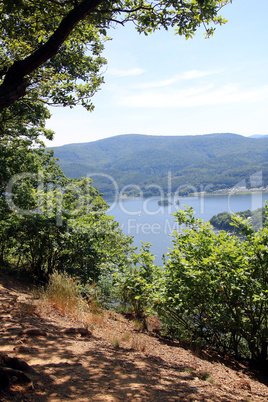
[12,371]
[77,331]
[243,384]
[14,329]
[33,332]
[9,375]
[22,349]
[153,324]
[2,356]
[18,376]
[22,341]
[15,363]
[4,378]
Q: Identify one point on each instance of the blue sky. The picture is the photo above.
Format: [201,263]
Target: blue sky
[164,85]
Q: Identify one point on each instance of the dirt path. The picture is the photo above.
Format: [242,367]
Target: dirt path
[114,363]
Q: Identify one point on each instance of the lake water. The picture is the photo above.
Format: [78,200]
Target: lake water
[148,222]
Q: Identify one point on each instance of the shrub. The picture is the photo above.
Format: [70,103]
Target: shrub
[135,285]
[216,287]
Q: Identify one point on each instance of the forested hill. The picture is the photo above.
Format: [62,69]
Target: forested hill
[216,160]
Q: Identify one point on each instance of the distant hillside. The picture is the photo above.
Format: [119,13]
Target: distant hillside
[215,160]
[259,136]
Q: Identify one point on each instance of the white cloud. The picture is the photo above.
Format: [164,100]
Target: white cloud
[157,84]
[126,73]
[193,74]
[192,97]
[185,76]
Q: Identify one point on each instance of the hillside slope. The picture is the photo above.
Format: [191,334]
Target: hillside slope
[218,160]
[113,363]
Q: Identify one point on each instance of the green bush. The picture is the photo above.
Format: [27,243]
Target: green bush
[215,287]
[71,232]
[135,285]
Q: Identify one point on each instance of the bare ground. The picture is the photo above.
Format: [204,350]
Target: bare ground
[113,363]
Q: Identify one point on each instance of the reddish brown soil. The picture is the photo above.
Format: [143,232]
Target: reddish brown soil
[114,363]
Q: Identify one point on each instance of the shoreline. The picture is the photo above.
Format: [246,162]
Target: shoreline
[236,192]
[197,194]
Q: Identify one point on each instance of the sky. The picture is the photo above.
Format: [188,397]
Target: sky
[162,84]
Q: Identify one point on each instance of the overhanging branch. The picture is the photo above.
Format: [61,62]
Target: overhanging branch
[15,83]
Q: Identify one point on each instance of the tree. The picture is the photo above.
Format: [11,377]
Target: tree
[215,287]
[51,49]
[22,155]
[48,221]
[223,220]
[61,225]
[134,284]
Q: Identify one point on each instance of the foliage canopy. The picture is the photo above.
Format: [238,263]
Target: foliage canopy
[212,290]
[51,50]
[215,287]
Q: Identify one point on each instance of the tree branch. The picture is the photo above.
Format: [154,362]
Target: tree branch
[15,83]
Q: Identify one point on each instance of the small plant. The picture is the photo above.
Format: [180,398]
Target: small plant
[94,307]
[126,337]
[189,370]
[138,324]
[211,380]
[135,284]
[97,319]
[115,343]
[203,375]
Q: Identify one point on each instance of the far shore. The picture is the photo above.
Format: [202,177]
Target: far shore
[178,197]
[230,192]
[197,194]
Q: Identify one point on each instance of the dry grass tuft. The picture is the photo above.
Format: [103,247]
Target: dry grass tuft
[126,337]
[138,343]
[97,318]
[64,295]
[116,343]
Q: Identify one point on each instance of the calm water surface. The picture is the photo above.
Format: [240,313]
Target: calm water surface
[148,222]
